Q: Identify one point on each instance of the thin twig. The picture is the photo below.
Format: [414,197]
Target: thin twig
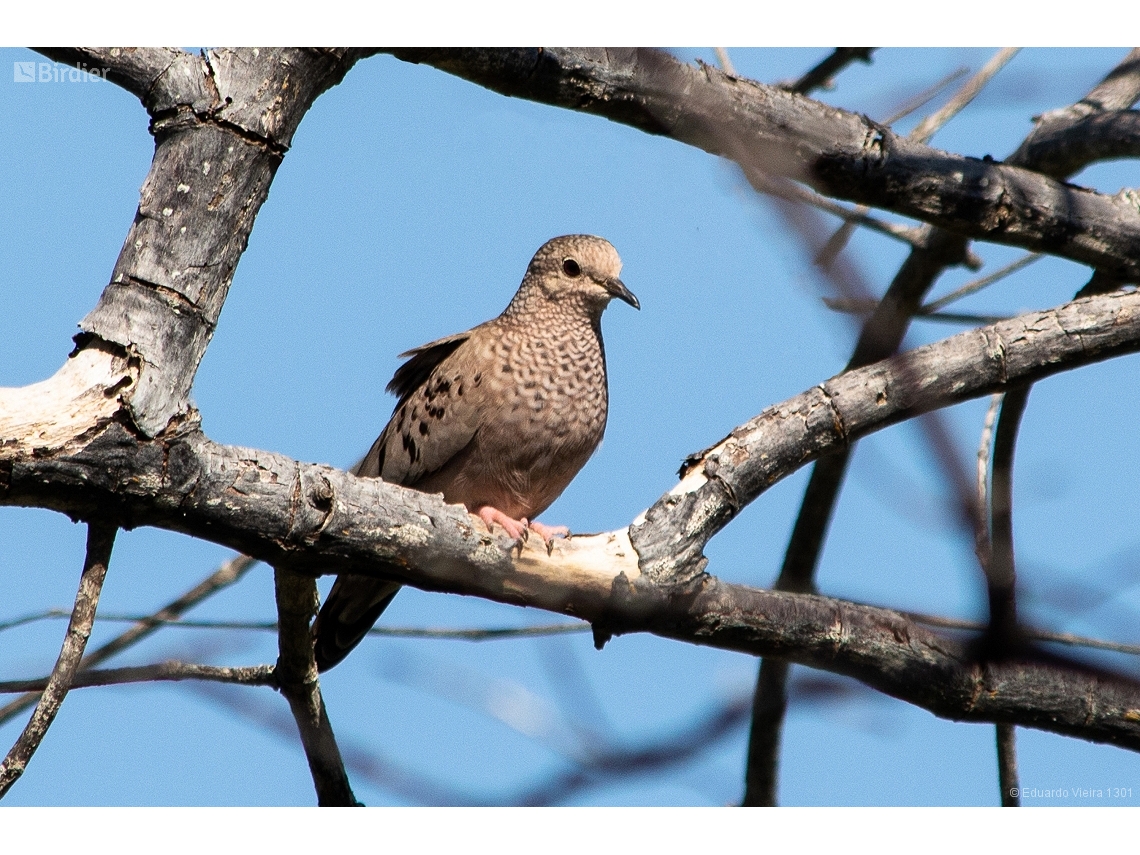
[962,318]
[978,284]
[1066,638]
[100,540]
[792,192]
[867,306]
[1007,765]
[725,62]
[982,520]
[822,74]
[297,676]
[224,576]
[936,120]
[925,96]
[473,634]
[933,309]
[172,671]
[574,628]
[1000,572]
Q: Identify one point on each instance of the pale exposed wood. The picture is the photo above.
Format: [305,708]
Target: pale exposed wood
[44,417]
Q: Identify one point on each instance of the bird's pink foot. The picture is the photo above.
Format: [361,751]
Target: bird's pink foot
[549,532]
[493,516]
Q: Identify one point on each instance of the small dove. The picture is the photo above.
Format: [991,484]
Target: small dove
[499,418]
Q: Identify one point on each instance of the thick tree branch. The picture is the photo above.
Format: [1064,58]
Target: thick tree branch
[100,540]
[1065,149]
[160,77]
[314,519]
[838,153]
[221,124]
[1116,92]
[279,510]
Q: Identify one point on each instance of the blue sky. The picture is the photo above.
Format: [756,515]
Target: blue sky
[407,209]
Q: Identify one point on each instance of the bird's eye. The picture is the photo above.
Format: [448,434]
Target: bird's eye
[571,268]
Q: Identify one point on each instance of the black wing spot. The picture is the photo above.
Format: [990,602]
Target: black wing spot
[424,428]
[410,447]
[413,373]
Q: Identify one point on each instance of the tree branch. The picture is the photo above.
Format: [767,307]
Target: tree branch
[315,519]
[254,675]
[838,60]
[100,540]
[1116,92]
[838,153]
[1007,765]
[882,333]
[929,126]
[221,124]
[999,569]
[159,77]
[296,675]
[1066,149]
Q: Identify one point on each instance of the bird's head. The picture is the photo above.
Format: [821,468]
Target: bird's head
[580,268]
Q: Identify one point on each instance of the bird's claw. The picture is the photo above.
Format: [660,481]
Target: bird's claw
[548,533]
[519,530]
[493,516]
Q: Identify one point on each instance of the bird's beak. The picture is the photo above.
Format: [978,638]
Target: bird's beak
[617,288]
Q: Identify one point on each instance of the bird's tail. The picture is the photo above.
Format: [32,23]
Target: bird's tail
[352,607]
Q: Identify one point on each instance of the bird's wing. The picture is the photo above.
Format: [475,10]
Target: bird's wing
[412,374]
[351,608]
[401,455]
[442,400]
